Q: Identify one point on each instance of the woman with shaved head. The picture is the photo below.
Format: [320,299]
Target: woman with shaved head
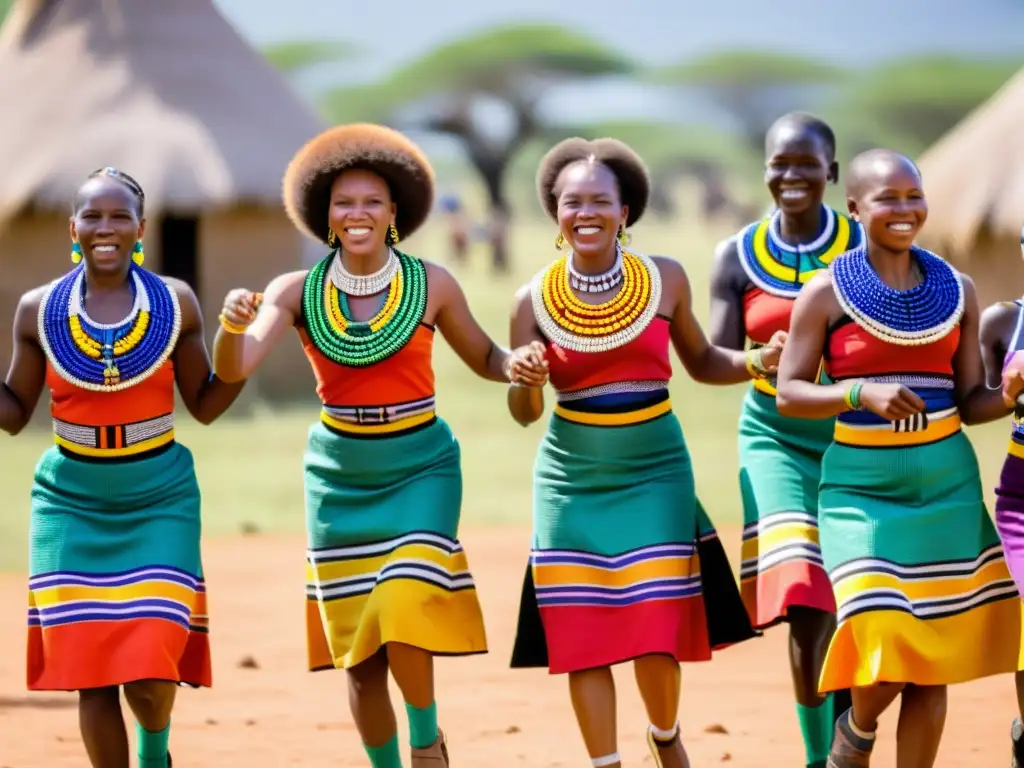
[924,596]
[389,586]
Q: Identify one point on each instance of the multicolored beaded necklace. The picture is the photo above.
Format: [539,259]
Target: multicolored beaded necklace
[359,344]
[922,315]
[108,357]
[573,324]
[781,269]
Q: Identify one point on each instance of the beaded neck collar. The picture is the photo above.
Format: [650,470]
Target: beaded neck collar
[781,269]
[921,315]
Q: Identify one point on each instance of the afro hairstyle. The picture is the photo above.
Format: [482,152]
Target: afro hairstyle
[629,170]
[375,148]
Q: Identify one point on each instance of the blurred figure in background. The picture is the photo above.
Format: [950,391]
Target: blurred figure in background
[458,227]
[756,278]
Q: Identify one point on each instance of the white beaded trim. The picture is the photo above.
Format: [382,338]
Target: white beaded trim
[904,338]
[568,340]
[44,342]
[363,285]
[595,283]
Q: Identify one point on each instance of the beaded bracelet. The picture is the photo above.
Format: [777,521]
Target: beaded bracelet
[755,366]
[852,397]
[230,327]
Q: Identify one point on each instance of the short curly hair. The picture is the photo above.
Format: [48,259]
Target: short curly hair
[376,148]
[629,170]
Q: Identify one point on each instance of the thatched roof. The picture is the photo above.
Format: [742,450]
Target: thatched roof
[165,90]
[974,176]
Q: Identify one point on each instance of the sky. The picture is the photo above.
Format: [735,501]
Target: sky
[658,31]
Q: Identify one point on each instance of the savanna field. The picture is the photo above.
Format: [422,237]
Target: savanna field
[265,710]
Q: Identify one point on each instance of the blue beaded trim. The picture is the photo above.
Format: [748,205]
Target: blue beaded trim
[922,315]
[135,365]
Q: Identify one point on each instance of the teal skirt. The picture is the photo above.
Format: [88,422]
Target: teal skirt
[624,562]
[384,563]
[780,469]
[116,589]
[923,590]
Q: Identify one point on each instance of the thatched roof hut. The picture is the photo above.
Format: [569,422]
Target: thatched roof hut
[170,93]
[974,179]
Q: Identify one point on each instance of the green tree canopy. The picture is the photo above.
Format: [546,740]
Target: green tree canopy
[293,57]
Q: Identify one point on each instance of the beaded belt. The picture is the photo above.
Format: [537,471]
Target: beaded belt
[919,429]
[615,405]
[379,419]
[114,441]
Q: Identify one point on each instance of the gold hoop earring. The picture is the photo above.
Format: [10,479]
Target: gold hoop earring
[76,253]
[332,238]
[392,234]
[560,241]
[624,238]
[138,254]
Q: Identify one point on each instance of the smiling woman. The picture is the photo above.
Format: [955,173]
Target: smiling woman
[116,589]
[388,582]
[923,593]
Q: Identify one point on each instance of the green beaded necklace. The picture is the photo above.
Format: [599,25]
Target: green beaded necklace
[360,346]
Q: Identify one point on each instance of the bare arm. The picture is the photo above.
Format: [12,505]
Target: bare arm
[997,325]
[799,394]
[460,329]
[27,374]
[237,355]
[205,395]
[727,282]
[526,404]
[705,362]
[977,403]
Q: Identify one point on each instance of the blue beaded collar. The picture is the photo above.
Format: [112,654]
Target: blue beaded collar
[922,315]
[155,322]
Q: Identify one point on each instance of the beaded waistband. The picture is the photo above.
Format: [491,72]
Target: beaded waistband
[919,429]
[114,441]
[384,420]
[616,407]
[615,388]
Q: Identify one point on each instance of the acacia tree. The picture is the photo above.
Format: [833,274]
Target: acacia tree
[483,90]
[754,88]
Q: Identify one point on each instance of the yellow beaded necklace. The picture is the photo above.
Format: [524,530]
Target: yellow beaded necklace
[573,324]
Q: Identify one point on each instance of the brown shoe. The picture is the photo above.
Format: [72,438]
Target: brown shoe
[434,756]
[848,749]
[668,754]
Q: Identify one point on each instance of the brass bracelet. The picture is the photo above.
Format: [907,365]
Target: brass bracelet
[230,327]
[754,366]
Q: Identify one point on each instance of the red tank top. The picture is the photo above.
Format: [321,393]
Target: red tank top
[852,352]
[764,314]
[146,400]
[405,376]
[646,358]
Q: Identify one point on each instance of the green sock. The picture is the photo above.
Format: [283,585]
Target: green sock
[422,725]
[152,746]
[386,756]
[816,725]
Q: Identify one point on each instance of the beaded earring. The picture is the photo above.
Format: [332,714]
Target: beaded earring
[331,237]
[624,238]
[138,254]
[559,241]
[76,253]
[392,235]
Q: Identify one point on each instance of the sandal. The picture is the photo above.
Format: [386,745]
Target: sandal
[668,754]
[848,749]
[434,756]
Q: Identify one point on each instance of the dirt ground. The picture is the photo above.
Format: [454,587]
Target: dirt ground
[736,709]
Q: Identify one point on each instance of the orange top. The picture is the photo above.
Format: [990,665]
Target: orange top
[146,400]
[764,314]
[643,359]
[405,376]
[852,352]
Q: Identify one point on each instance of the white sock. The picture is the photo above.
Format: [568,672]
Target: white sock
[661,735]
[602,762]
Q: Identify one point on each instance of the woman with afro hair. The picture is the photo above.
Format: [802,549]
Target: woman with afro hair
[388,583]
[625,564]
